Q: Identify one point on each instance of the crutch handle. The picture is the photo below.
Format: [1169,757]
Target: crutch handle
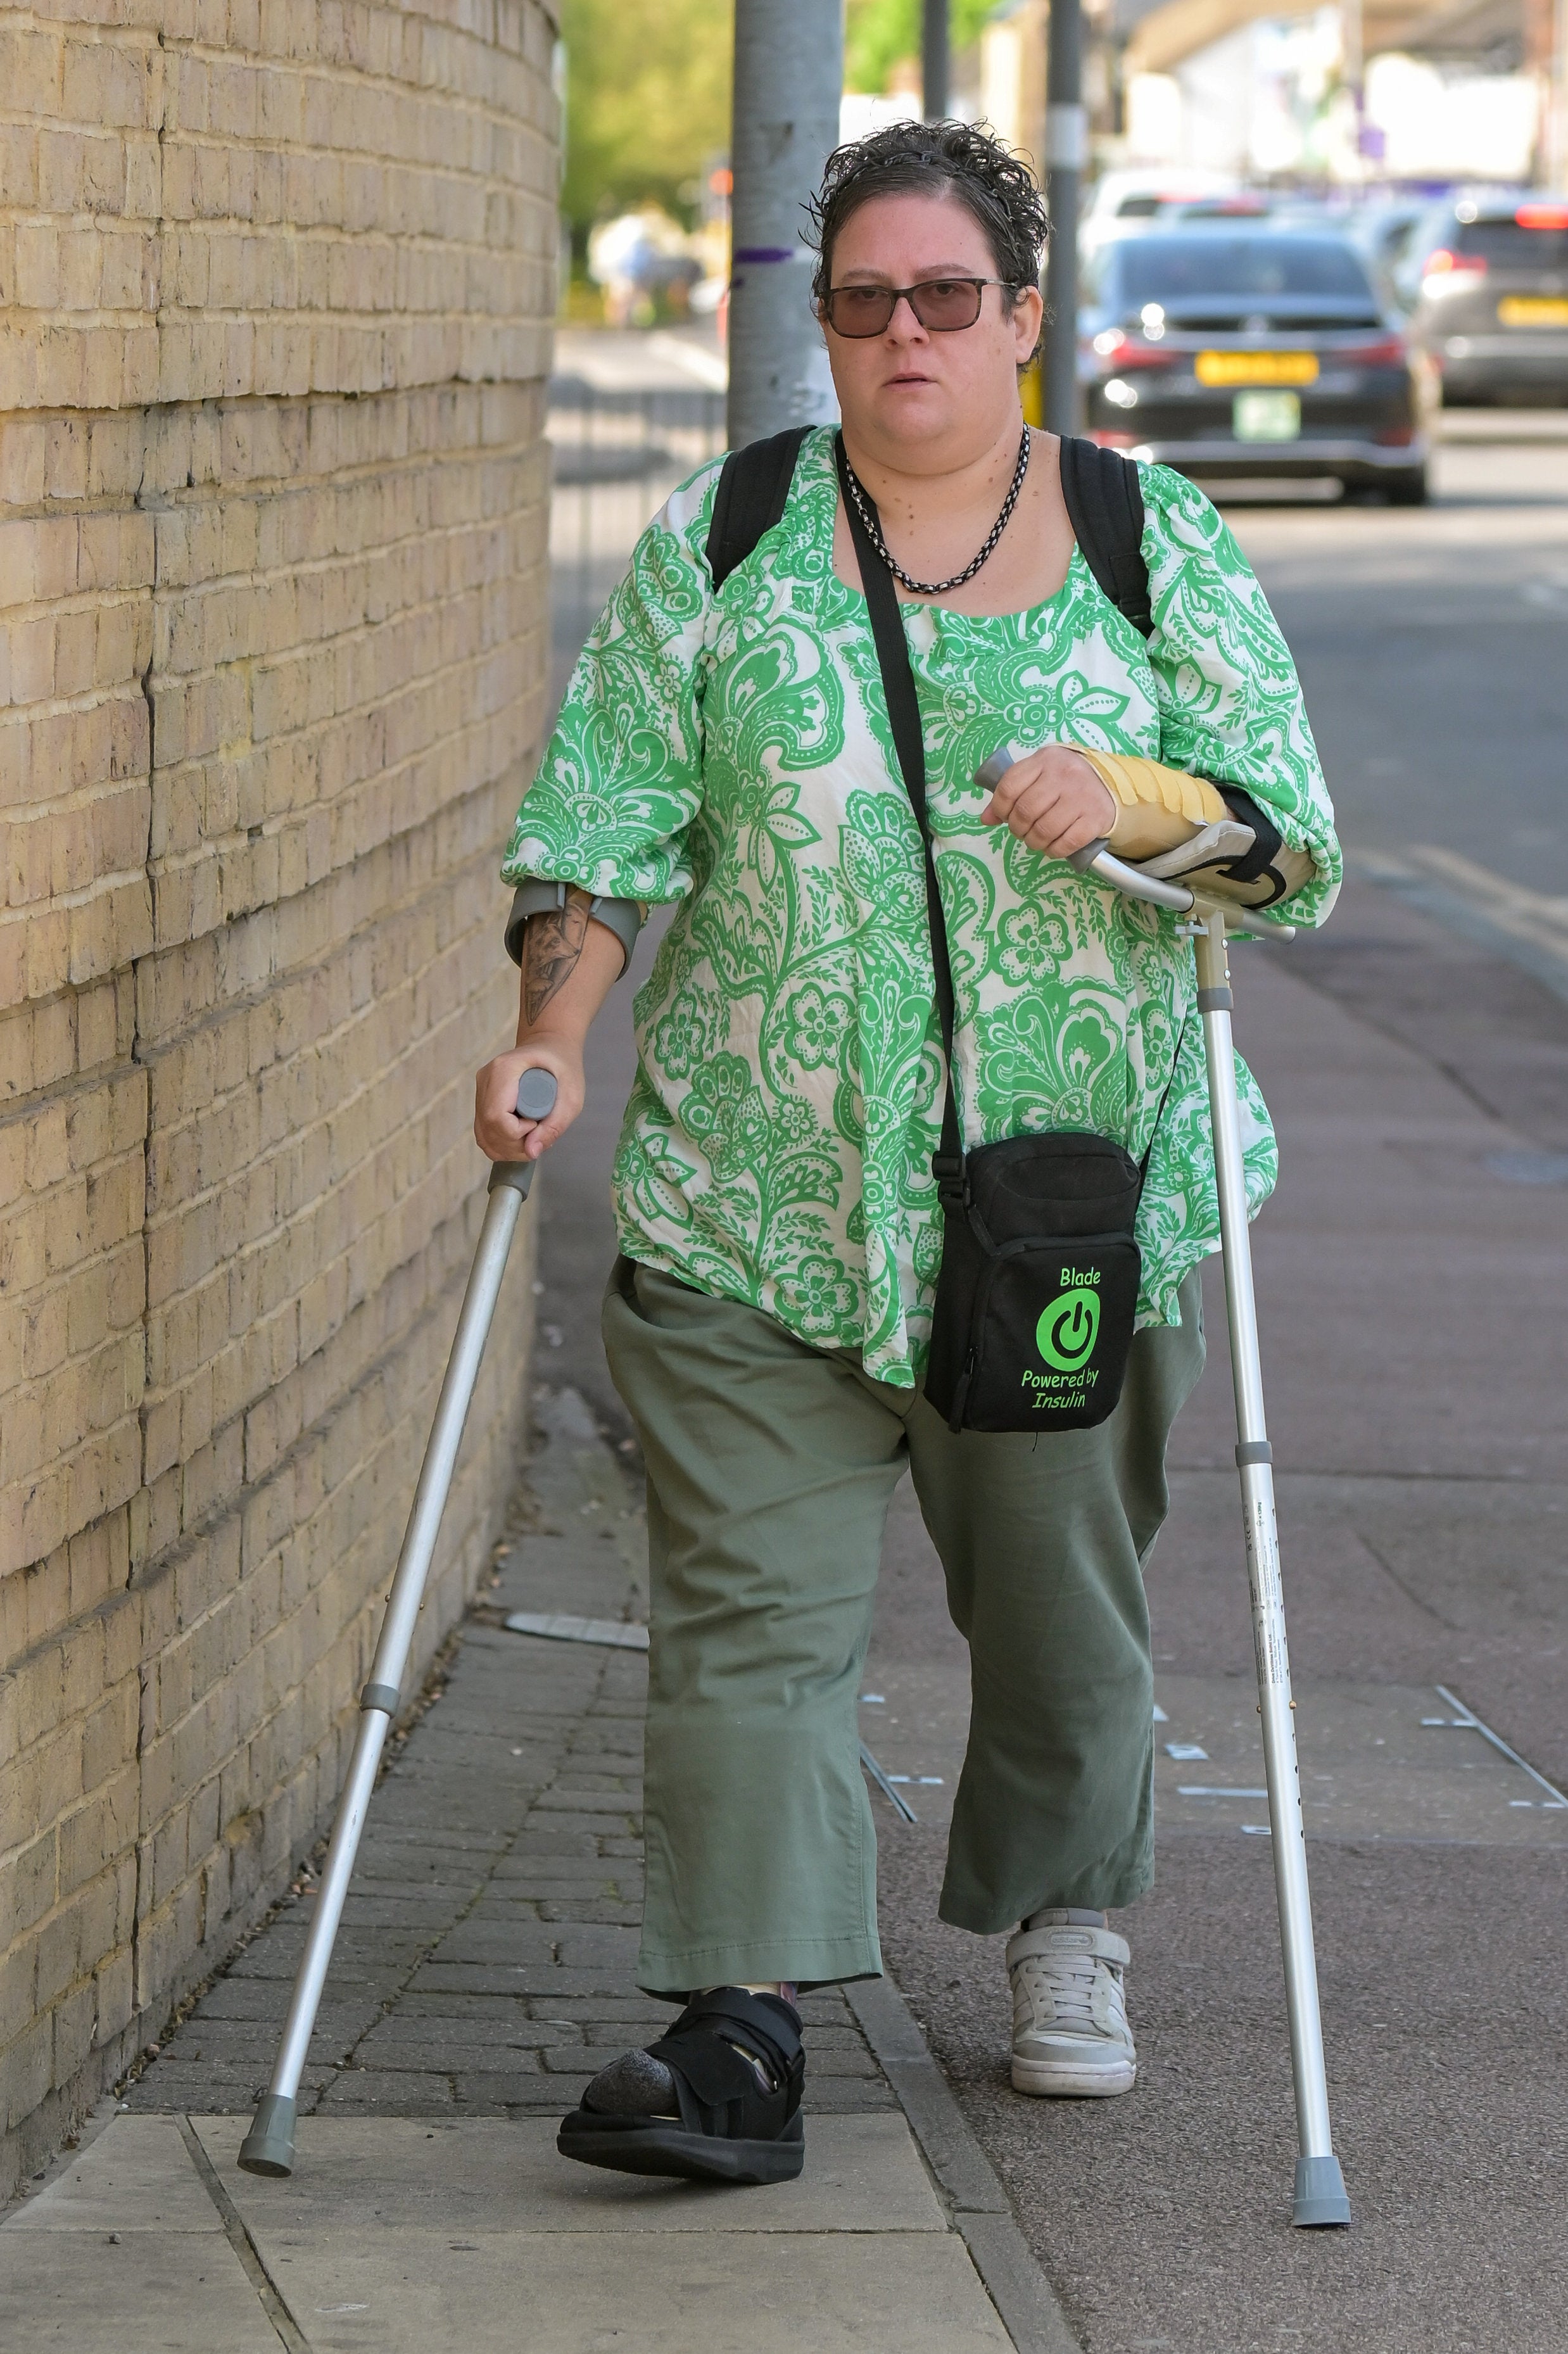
[536,1092]
[1096,859]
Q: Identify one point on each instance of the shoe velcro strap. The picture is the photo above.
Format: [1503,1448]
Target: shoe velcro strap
[717,2086]
[771,2023]
[712,2069]
[1061,1940]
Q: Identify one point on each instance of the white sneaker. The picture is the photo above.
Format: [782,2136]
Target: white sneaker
[1070,2035]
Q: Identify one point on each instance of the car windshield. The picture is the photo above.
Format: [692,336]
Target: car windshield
[1514,245]
[1174,268]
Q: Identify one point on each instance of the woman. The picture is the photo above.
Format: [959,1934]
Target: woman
[728,751]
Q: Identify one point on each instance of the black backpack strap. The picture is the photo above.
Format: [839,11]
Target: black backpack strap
[1105,506]
[752,491]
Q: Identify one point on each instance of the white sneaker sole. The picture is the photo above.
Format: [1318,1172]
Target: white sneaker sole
[1062,2079]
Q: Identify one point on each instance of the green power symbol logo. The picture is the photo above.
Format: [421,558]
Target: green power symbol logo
[1067,1332]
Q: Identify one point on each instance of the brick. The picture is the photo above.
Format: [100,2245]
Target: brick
[19,1991]
[75,2020]
[115,1995]
[29,1879]
[26,2071]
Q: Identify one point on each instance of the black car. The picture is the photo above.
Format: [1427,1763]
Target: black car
[1486,279]
[1262,352]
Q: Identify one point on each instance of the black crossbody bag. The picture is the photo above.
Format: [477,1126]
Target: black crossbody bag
[1038,1289]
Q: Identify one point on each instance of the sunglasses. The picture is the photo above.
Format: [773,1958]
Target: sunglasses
[942,305]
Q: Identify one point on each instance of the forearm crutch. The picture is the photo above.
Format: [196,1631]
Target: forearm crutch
[1319,2185]
[268,2146]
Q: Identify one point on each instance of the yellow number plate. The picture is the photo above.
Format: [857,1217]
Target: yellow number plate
[1532,310]
[1257,367]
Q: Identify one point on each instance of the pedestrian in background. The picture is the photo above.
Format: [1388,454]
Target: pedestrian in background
[727,751]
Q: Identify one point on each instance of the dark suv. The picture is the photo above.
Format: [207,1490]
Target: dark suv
[1261,351]
[1486,281]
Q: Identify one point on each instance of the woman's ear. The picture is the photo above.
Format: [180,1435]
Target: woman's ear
[1028,318]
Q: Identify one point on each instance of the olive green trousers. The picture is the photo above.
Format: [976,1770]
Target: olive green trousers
[770,1468]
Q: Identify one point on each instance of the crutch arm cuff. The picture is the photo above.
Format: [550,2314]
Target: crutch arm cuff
[538,896]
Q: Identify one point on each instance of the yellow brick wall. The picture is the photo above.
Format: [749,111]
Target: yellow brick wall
[277,279]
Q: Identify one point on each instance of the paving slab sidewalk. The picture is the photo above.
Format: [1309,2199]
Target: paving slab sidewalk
[483,1973]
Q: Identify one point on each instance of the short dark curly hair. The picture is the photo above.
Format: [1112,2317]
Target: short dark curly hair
[994,185]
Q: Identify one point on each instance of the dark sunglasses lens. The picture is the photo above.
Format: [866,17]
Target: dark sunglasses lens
[858,310]
[945,305]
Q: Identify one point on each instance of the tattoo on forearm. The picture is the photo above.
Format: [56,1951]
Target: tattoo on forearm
[552,943]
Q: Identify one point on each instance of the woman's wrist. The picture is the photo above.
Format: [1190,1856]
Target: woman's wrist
[556,1036]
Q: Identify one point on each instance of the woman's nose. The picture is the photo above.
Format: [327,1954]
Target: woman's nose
[904,326]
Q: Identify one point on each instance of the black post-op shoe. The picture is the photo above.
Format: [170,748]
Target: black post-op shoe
[717,2099]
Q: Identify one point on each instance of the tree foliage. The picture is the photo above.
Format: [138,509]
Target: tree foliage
[648,89]
[881,34]
[648,102]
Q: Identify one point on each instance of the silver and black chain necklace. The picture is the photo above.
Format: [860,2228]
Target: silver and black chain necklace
[869,516]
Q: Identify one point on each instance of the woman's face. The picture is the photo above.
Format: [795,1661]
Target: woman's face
[920,402]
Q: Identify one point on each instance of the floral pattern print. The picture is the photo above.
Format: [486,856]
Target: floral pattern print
[730,753]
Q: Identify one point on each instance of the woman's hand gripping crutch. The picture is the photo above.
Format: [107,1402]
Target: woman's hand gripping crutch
[1320,2195]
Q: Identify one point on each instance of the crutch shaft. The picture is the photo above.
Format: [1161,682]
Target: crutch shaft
[1282,1778]
[268,2146]
[327,1911]
[1262,1537]
[501,1215]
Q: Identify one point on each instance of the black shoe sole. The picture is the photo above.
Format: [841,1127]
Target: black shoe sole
[659,2145]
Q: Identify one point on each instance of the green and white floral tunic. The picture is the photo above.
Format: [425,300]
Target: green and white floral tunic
[731,753]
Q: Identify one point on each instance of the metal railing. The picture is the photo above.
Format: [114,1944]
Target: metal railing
[617,454]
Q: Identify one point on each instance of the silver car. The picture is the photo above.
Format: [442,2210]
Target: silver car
[1487,283]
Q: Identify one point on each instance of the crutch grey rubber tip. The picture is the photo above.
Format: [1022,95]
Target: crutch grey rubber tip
[268,2146]
[1321,2198]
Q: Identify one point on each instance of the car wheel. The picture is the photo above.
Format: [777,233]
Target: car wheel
[1407,488]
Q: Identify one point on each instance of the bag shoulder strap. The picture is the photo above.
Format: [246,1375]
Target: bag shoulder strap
[753,491]
[909,743]
[1104,498]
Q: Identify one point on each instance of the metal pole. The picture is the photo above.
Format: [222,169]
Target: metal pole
[1319,2185]
[1066,153]
[934,60]
[268,2146]
[789,72]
